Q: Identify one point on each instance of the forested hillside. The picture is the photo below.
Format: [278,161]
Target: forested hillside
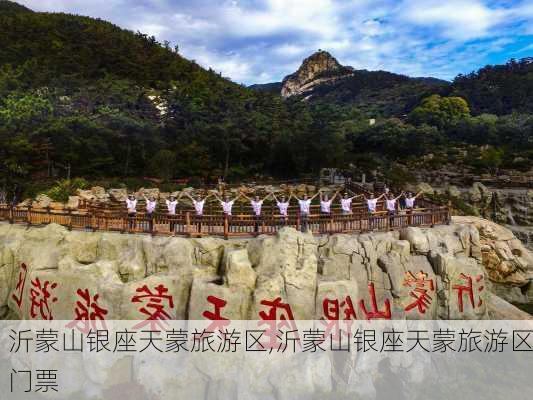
[498,89]
[81,97]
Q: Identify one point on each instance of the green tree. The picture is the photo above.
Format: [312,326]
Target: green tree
[163,164]
[439,111]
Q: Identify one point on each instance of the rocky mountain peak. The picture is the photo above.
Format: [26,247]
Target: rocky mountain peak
[319,66]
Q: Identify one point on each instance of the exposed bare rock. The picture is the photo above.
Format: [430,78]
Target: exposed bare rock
[319,68]
[372,275]
[509,264]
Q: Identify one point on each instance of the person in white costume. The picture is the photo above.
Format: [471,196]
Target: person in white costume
[305,209]
[257,204]
[283,206]
[198,204]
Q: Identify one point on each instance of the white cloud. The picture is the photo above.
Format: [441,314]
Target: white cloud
[460,20]
[259,40]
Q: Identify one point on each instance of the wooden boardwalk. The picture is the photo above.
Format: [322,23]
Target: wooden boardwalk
[242,224]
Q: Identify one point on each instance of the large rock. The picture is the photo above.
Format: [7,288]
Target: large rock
[148,192]
[424,188]
[453,191]
[508,263]
[118,194]
[42,201]
[73,202]
[418,273]
[312,72]
[286,265]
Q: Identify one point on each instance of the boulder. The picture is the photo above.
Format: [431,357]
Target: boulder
[479,193]
[424,188]
[56,205]
[73,202]
[42,201]
[238,269]
[453,191]
[99,192]
[86,195]
[148,192]
[118,194]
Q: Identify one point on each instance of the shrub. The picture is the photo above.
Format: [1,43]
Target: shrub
[65,188]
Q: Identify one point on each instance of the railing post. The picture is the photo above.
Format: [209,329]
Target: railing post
[11,214]
[48,213]
[298,222]
[226,226]
[28,215]
[188,222]
[69,211]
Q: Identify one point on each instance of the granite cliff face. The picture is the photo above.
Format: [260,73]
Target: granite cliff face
[308,273]
[321,67]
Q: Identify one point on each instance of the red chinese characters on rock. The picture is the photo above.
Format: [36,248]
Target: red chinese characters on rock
[41,299]
[21,282]
[332,309]
[219,322]
[274,306]
[155,305]
[87,311]
[375,313]
[473,285]
[277,311]
[422,286]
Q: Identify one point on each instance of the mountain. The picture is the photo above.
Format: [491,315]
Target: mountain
[8,7]
[498,89]
[317,69]
[81,97]
[77,48]
[322,79]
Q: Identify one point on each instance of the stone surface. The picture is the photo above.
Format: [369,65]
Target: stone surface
[118,194]
[315,276]
[508,263]
[424,188]
[318,68]
[42,201]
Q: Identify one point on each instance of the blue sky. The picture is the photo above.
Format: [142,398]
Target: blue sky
[262,41]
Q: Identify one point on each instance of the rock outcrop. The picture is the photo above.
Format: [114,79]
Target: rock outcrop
[413,274]
[508,263]
[321,67]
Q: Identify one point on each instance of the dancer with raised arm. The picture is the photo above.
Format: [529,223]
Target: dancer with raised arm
[131,205]
[227,203]
[372,203]
[198,205]
[410,201]
[391,206]
[283,206]
[257,204]
[305,209]
[325,208]
[410,205]
[151,204]
[346,202]
[325,202]
[171,203]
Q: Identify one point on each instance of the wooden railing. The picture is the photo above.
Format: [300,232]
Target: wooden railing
[239,225]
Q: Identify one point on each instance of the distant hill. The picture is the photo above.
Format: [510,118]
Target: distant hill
[322,79]
[82,95]
[8,7]
[80,48]
[274,87]
[498,89]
